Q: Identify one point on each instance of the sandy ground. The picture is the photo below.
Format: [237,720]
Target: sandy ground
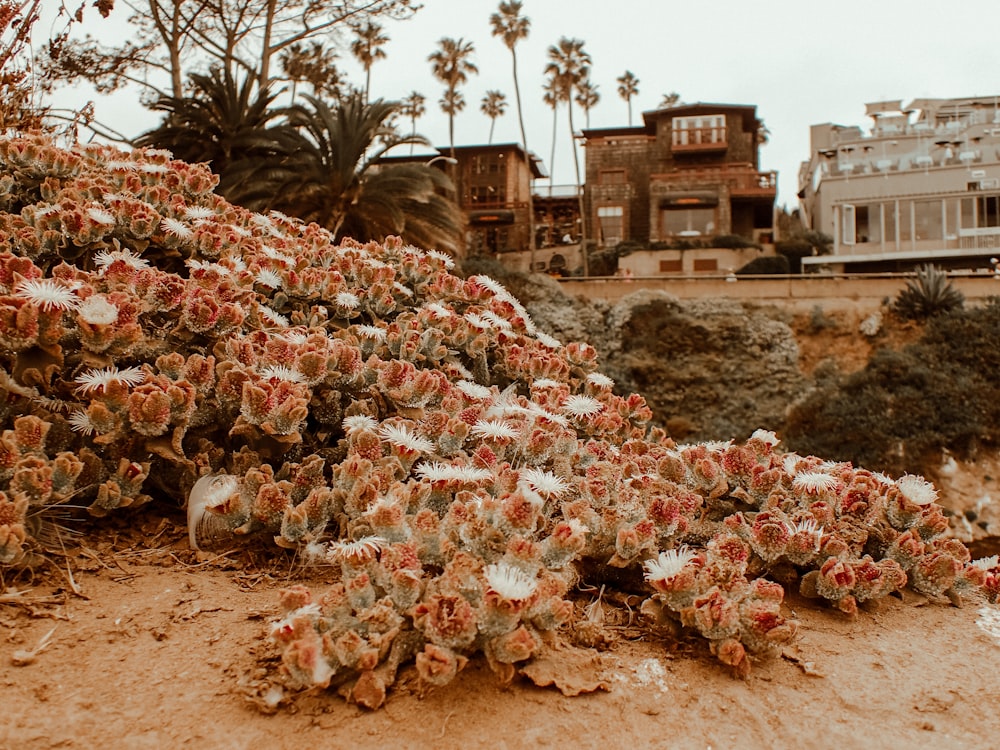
[157,650]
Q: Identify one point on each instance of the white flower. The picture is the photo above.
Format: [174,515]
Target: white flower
[765,436]
[347,300]
[98,380]
[402,438]
[105,258]
[198,213]
[439,472]
[987,563]
[490,283]
[97,311]
[917,489]
[546,340]
[293,337]
[101,216]
[814,482]
[600,380]
[496,321]
[275,318]
[371,332]
[545,383]
[154,168]
[511,583]
[358,422]
[582,406]
[479,322]
[490,430]
[668,564]
[121,165]
[546,415]
[281,372]
[405,290]
[545,483]
[445,259]
[48,294]
[438,310]
[357,552]
[80,422]
[176,228]
[474,390]
[267,277]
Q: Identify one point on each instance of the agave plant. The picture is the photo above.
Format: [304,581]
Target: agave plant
[929,293]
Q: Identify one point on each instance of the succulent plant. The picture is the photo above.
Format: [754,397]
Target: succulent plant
[456,469]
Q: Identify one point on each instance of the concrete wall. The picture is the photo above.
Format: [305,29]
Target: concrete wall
[798,292]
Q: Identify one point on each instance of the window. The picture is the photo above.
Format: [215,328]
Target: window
[699,131]
[612,177]
[611,223]
[488,194]
[705,265]
[489,164]
[671,266]
[688,222]
[988,211]
[848,226]
[928,220]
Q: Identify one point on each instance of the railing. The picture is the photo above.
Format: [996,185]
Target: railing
[801,291]
[742,180]
[979,238]
[699,139]
[555,191]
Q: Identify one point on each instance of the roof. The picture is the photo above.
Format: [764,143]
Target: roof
[749,111]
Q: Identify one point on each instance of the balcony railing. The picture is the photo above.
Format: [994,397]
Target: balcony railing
[700,139]
[979,238]
[742,181]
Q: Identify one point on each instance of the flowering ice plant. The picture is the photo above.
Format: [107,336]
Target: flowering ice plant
[457,472]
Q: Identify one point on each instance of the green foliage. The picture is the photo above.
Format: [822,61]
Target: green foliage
[897,413]
[766,264]
[930,293]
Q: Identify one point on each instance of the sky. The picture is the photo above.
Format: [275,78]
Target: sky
[799,62]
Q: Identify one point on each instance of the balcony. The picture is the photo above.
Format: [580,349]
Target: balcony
[743,181]
[699,140]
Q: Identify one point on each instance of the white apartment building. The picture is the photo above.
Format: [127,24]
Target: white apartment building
[923,186]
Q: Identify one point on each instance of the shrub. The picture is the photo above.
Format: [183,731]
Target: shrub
[897,413]
[764,265]
[456,469]
[929,293]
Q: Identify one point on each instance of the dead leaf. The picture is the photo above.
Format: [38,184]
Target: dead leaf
[573,671]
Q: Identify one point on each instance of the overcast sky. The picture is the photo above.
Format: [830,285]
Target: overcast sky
[799,62]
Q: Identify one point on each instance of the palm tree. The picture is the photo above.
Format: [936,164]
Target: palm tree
[328,173]
[571,65]
[314,65]
[220,122]
[413,107]
[367,47]
[628,86]
[587,97]
[669,100]
[512,27]
[493,105]
[452,66]
[553,94]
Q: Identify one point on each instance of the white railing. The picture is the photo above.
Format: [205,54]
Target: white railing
[979,237]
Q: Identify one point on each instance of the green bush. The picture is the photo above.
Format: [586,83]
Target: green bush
[766,264]
[929,293]
[897,413]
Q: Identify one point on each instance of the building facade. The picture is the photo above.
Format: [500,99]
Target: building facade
[689,173]
[922,186]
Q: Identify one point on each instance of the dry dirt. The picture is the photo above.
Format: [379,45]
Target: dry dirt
[139,643]
[155,648]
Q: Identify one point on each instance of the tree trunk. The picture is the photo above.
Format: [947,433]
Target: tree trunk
[527,155]
[579,188]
